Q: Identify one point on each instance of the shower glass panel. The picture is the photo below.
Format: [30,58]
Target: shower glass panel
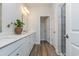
[63,29]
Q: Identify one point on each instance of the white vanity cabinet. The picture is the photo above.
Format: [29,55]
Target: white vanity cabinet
[8,49]
[21,47]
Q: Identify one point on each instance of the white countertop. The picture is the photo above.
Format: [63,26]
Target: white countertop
[8,39]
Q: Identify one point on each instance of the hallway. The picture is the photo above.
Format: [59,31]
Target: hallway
[44,49]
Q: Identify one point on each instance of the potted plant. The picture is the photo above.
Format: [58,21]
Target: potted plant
[18,26]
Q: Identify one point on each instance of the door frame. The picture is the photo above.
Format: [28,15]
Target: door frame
[49,27]
[63,6]
[59,28]
[68,41]
[68,25]
[58,31]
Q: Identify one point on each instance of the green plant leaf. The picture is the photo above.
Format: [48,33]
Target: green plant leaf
[19,23]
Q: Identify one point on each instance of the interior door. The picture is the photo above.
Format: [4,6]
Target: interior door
[43,28]
[72,29]
[48,29]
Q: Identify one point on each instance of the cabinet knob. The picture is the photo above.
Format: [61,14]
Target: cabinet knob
[17,54]
[66,36]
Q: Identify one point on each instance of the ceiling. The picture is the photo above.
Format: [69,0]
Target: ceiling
[39,4]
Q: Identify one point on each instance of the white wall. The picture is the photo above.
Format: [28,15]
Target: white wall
[52,27]
[10,12]
[0,17]
[56,21]
[37,10]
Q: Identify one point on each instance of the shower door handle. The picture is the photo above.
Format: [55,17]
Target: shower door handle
[66,36]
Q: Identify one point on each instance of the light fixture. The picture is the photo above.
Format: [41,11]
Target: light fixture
[25,11]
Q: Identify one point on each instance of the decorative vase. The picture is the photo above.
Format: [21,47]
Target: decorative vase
[18,30]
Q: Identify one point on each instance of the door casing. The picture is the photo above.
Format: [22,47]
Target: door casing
[47,26]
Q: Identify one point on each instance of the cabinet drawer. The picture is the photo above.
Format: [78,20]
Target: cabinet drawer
[10,48]
[21,47]
[21,50]
[16,52]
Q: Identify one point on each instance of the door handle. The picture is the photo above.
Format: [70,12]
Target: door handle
[66,36]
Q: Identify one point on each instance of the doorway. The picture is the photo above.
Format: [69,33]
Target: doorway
[45,28]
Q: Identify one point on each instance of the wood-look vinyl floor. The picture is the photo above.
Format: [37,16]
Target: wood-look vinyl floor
[44,49]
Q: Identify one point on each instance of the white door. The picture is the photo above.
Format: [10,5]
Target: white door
[72,29]
[43,29]
[48,29]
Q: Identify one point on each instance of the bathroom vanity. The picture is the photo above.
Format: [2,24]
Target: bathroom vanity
[17,45]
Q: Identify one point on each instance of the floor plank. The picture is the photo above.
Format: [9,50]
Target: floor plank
[44,49]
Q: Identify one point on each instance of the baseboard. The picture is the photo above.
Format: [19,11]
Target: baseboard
[37,43]
[57,52]
[61,54]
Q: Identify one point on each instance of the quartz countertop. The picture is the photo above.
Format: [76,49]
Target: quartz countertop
[8,39]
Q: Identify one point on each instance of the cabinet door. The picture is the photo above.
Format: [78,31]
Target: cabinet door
[28,45]
[31,42]
[16,53]
[25,48]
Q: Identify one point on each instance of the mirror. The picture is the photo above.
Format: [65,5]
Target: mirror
[0,17]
